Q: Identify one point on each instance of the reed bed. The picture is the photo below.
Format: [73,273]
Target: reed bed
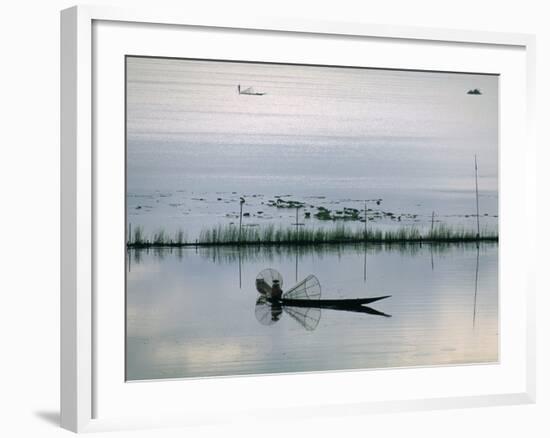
[226,254]
[273,235]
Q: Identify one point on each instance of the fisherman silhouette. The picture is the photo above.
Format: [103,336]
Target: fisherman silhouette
[276,291]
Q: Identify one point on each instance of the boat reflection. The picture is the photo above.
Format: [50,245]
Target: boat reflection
[302,302]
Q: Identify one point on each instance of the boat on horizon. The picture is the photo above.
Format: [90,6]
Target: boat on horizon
[475,91]
[249,91]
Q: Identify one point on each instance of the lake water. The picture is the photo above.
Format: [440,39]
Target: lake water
[325,136]
[192,312]
[331,138]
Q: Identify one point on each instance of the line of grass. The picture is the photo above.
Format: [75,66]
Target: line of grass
[272,235]
[223,254]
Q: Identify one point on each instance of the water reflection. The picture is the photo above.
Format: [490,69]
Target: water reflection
[303,301]
[232,254]
[268,313]
[187,316]
[308,316]
[475,284]
[365,263]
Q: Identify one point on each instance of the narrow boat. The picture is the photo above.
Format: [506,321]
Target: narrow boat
[303,301]
[249,91]
[329,304]
[307,294]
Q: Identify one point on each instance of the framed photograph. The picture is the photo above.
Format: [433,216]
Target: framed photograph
[333,211]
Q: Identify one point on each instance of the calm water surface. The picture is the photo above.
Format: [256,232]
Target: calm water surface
[325,136]
[330,138]
[192,312]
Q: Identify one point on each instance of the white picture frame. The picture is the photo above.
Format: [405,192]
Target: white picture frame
[80,167]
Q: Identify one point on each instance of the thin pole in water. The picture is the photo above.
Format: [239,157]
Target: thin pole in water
[365,232]
[128,249]
[365,247]
[475,287]
[240,270]
[297,224]
[431,244]
[241,219]
[365,262]
[477,199]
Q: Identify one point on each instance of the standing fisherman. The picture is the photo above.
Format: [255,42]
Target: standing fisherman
[276,291]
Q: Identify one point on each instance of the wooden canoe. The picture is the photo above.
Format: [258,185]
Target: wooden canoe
[335,303]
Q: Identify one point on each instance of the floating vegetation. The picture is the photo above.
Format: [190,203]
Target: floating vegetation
[324,214]
[281,203]
[354,214]
[135,195]
[272,235]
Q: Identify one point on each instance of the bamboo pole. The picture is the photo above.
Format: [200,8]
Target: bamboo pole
[241,220]
[365,247]
[297,224]
[365,220]
[477,199]
[475,287]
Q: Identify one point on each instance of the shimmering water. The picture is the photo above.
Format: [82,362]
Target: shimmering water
[325,136]
[331,138]
[192,312]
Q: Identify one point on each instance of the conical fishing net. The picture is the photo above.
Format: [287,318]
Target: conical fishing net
[307,317]
[265,313]
[307,289]
[265,279]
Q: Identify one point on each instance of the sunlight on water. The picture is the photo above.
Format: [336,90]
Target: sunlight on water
[313,148]
[324,136]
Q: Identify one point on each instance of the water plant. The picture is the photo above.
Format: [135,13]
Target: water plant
[282,203]
[222,254]
[339,234]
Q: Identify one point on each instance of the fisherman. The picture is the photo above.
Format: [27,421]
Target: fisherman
[276,291]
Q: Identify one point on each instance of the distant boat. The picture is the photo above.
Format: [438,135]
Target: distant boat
[249,91]
[475,91]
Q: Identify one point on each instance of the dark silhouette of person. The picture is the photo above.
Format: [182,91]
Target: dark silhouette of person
[276,291]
